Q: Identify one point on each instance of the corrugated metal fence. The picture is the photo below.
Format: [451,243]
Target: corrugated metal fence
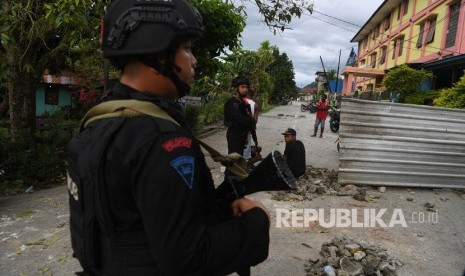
[385,144]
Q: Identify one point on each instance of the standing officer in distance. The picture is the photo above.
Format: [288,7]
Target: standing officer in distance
[238,116]
[142,199]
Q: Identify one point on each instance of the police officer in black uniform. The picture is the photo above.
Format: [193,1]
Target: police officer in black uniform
[142,199]
[238,117]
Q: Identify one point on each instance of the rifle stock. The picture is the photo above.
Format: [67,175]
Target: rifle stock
[272,174]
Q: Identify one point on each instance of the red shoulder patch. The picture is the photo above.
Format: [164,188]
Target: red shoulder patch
[177,142]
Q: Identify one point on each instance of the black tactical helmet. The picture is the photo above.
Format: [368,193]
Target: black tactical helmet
[140,27]
[240,80]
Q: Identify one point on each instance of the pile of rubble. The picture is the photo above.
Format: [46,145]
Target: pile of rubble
[316,182]
[344,256]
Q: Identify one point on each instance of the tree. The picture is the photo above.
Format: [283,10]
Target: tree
[39,35]
[277,14]
[252,64]
[224,24]
[405,80]
[57,34]
[282,72]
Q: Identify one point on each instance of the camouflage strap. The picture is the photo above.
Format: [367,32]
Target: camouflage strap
[234,162]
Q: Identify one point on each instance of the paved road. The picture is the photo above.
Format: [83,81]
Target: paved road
[34,230]
[320,152]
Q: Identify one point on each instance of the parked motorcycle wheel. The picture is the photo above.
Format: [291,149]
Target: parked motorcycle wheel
[303,108]
[334,125]
[312,108]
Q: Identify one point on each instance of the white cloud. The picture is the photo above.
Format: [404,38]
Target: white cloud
[310,37]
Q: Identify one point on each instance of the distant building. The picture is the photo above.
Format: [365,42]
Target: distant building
[420,33]
[55,93]
[308,91]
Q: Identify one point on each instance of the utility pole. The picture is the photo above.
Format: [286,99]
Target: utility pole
[337,74]
[324,71]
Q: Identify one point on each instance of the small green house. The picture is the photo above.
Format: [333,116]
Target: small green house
[51,97]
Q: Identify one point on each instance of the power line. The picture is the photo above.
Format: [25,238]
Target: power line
[342,20]
[333,24]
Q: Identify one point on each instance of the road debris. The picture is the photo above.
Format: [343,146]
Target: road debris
[350,257]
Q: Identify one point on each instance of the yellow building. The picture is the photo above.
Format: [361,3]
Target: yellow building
[426,34]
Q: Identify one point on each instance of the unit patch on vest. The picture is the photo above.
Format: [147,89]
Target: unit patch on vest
[184,166]
[177,142]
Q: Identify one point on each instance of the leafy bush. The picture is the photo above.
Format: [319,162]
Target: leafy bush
[25,164]
[192,117]
[422,98]
[212,112]
[36,161]
[405,80]
[452,97]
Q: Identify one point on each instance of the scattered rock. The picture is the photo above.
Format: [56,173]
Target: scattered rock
[382,189]
[353,247]
[366,259]
[409,198]
[359,255]
[353,268]
[429,205]
[387,269]
[321,190]
[315,181]
[347,190]
[313,260]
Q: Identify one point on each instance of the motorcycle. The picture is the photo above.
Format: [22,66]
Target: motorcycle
[308,107]
[334,118]
[284,101]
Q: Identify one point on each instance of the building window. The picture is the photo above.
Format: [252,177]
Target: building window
[394,49]
[452,26]
[369,87]
[431,30]
[51,94]
[373,60]
[401,46]
[405,6]
[398,11]
[383,55]
[420,35]
[387,22]
[376,31]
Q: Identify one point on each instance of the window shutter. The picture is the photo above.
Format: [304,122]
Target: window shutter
[432,28]
[420,36]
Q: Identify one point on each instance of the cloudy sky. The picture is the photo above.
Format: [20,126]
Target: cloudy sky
[312,36]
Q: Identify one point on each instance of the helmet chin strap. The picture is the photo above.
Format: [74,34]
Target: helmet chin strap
[182,87]
[169,69]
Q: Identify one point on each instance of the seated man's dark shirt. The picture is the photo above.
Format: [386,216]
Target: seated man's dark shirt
[295,152]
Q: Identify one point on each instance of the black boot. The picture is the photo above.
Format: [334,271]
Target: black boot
[314,133]
[321,134]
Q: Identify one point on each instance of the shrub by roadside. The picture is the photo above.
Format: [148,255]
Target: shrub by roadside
[37,161]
